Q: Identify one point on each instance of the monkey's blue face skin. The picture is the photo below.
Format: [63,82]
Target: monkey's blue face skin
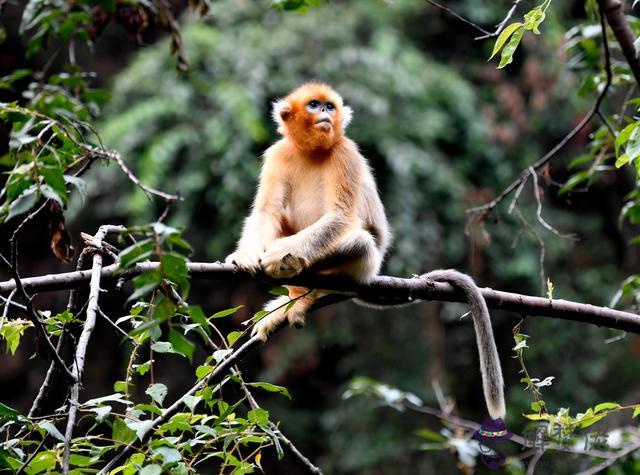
[315,106]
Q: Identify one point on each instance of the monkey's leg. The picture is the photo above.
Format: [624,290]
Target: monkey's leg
[356,255]
[281,311]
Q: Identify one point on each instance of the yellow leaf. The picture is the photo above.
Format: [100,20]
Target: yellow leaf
[504,36]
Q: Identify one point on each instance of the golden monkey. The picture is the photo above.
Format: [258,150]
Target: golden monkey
[317,208]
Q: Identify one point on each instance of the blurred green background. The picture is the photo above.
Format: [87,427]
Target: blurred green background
[444,130]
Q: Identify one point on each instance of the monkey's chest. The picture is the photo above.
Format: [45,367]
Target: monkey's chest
[306,202]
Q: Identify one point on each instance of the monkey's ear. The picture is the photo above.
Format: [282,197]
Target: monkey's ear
[280,110]
[347,114]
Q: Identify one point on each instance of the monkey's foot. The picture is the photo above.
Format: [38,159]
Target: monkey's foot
[245,261]
[286,266]
[271,322]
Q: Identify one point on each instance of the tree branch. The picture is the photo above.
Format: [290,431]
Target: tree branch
[383,290]
[617,20]
[83,342]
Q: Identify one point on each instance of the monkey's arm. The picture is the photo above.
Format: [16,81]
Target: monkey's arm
[264,224]
[290,255]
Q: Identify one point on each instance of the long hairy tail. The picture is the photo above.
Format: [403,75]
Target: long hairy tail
[492,382]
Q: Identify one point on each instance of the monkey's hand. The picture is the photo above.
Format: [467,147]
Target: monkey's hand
[247,261]
[281,260]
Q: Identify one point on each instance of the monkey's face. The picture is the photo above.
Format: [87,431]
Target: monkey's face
[323,113]
[312,116]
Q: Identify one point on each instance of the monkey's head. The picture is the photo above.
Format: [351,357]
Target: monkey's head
[313,116]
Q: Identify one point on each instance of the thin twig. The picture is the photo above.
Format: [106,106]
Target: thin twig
[27,299]
[610,461]
[460,17]
[6,301]
[502,24]
[5,310]
[123,333]
[533,461]
[536,194]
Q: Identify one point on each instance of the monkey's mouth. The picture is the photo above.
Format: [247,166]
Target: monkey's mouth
[324,123]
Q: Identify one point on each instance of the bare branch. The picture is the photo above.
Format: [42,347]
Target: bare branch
[536,194]
[461,18]
[611,460]
[83,342]
[503,23]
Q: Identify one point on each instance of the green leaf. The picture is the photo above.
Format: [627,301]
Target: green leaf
[169,454]
[51,194]
[191,401]
[148,408]
[574,181]
[162,347]
[174,268]
[102,413]
[179,422]
[24,202]
[279,291]
[272,388]
[203,370]
[157,392]
[227,312]
[605,406]
[120,432]
[135,253]
[12,332]
[8,414]
[197,315]
[622,160]
[140,427]
[623,136]
[431,435]
[507,52]
[503,37]
[55,179]
[258,416]
[232,337]
[633,145]
[43,462]
[181,344]
[143,368]
[533,19]
[636,412]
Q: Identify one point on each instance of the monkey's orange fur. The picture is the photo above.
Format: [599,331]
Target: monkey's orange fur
[317,206]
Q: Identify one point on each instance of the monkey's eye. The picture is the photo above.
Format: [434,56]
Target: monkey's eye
[313,104]
[330,106]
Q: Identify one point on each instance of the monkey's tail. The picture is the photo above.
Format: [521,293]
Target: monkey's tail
[492,382]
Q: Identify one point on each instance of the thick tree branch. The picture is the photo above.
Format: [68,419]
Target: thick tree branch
[381,290]
[617,20]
